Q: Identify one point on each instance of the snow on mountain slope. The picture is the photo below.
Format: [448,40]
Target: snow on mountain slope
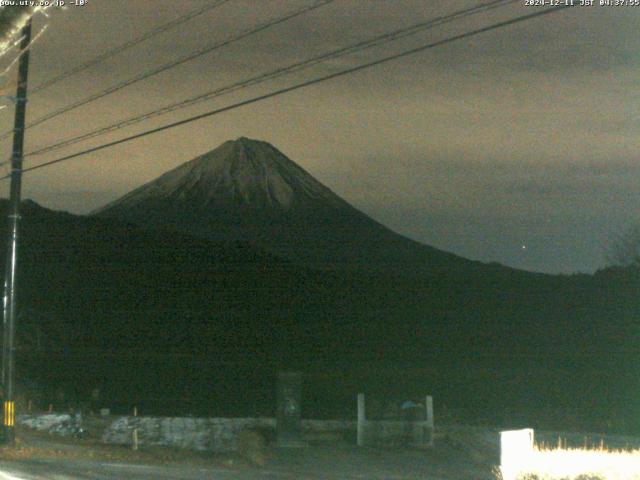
[242,172]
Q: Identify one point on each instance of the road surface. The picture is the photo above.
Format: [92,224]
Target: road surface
[310,463]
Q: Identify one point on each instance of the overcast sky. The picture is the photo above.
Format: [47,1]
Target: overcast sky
[518,146]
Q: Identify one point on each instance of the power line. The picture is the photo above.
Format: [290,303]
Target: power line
[273,74]
[163,68]
[303,85]
[127,45]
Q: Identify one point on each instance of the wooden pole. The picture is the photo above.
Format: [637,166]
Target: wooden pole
[11,265]
[134,442]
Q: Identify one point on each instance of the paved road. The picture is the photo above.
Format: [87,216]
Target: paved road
[317,463]
[74,470]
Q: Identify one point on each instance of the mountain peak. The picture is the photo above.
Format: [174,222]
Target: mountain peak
[250,191]
[243,173]
[249,141]
[244,143]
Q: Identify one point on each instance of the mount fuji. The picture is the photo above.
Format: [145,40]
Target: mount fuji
[248,190]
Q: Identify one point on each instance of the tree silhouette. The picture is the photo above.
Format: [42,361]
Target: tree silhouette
[624,251]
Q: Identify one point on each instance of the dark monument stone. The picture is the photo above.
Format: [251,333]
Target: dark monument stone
[288,415]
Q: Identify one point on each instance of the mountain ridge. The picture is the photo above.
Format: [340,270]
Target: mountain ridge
[257,175]
[248,189]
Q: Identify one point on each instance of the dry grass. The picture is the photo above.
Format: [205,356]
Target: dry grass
[576,464]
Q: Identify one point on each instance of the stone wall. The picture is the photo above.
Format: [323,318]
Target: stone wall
[396,433]
[207,434]
[212,434]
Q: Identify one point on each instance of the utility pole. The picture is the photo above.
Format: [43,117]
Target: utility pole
[9,320]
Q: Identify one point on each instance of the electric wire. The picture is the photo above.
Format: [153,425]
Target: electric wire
[302,85]
[273,74]
[163,68]
[127,45]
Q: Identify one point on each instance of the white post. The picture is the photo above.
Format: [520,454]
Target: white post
[134,442]
[361,419]
[516,448]
[429,407]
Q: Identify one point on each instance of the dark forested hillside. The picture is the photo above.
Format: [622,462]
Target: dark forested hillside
[169,322]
